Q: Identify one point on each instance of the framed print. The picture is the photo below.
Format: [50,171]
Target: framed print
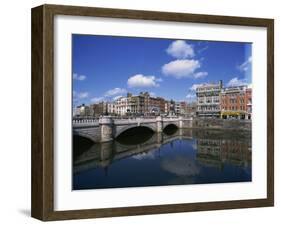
[141,112]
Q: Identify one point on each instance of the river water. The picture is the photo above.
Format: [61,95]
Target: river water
[140,157]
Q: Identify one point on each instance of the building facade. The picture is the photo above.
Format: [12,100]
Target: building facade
[141,105]
[236,102]
[82,110]
[99,109]
[191,109]
[122,106]
[111,109]
[208,100]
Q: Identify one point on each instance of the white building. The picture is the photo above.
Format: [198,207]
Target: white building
[111,108]
[177,108]
[122,106]
[76,111]
[208,99]
[82,110]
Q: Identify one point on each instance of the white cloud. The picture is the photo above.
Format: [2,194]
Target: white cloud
[117,97]
[203,49]
[181,68]
[80,95]
[152,94]
[191,96]
[114,92]
[97,99]
[201,74]
[180,166]
[236,82]
[79,77]
[141,80]
[245,65]
[195,86]
[144,155]
[180,49]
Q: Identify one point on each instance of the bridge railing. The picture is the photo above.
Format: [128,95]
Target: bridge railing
[128,119]
[133,120]
[85,120]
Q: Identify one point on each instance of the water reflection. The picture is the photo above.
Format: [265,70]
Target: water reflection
[176,156]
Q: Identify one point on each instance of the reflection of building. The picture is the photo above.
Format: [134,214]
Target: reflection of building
[236,102]
[208,99]
[215,152]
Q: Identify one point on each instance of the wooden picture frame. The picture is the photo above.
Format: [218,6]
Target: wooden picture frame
[43,112]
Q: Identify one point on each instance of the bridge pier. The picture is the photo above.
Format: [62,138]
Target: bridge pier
[180,122]
[106,129]
[159,124]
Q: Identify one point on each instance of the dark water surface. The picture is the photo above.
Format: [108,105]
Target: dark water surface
[140,157]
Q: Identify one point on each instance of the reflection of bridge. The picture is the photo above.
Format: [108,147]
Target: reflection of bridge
[215,150]
[107,128]
[102,154]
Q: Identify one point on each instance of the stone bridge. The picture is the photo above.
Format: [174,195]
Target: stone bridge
[107,128]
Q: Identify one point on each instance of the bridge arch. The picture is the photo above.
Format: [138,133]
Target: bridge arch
[121,130]
[85,135]
[165,125]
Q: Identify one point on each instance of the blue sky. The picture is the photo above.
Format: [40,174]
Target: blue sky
[106,67]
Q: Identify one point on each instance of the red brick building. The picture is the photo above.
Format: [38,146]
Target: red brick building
[236,102]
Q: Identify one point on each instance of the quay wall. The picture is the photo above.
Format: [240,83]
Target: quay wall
[216,123]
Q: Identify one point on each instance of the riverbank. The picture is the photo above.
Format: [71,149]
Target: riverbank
[216,123]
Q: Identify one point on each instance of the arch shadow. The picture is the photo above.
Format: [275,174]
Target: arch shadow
[170,129]
[118,132]
[135,135]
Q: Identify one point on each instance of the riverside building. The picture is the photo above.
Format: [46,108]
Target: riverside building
[236,102]
[208,100]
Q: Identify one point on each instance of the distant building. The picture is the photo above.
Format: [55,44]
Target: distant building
[142,104]
[99,109]
[82,110]
[111,108]
[236,102]
[208,99]
[177,108]
[180,108]
[191,109]
[76,111]
[135,104]
[167,107]
[122,106]
[156,105]
[146,97]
